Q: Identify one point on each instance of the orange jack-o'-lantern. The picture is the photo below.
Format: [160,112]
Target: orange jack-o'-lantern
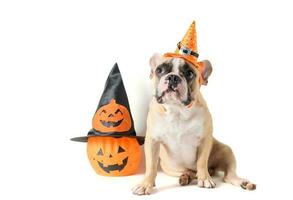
[112,117]
[110,156]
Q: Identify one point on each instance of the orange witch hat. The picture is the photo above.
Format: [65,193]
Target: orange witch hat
[187,48]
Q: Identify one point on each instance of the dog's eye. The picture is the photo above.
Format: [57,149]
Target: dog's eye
[189,74]
[159,70]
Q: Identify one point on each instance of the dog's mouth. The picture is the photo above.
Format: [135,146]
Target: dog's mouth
[174,94]
[168,91]
[111,124]
[114,167]
[171,89]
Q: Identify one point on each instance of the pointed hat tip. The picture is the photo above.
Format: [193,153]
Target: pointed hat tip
[115,69]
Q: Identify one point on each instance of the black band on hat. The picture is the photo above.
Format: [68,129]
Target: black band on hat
[186,51]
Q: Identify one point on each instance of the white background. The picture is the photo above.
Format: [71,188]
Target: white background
[54,59]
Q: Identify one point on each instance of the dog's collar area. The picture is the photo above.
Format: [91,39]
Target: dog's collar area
[186,51]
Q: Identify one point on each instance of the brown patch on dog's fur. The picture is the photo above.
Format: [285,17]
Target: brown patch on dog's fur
[184,179]
[187,177]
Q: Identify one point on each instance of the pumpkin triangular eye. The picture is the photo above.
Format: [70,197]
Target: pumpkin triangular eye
[103,111]
[100,153]
[120,150]
[118,111]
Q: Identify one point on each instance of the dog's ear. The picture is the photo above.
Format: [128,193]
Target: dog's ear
[206,70]
[155,60]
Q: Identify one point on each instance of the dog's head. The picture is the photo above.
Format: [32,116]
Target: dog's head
[175,80]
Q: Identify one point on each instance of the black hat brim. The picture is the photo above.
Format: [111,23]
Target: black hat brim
[140,139]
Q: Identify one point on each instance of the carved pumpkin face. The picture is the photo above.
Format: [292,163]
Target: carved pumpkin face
[112,117]
[111,156]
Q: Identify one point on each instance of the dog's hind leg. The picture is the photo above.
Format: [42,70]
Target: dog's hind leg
[232,178]
[223,159]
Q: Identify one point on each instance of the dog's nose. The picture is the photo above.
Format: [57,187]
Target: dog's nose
[174,80]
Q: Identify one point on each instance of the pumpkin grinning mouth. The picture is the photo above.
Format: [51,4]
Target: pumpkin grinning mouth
[114,167]
[111,124]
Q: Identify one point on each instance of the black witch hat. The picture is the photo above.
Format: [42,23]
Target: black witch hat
[113,116]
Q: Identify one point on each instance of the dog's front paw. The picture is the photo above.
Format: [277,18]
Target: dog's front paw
[206,182]
[143,188]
